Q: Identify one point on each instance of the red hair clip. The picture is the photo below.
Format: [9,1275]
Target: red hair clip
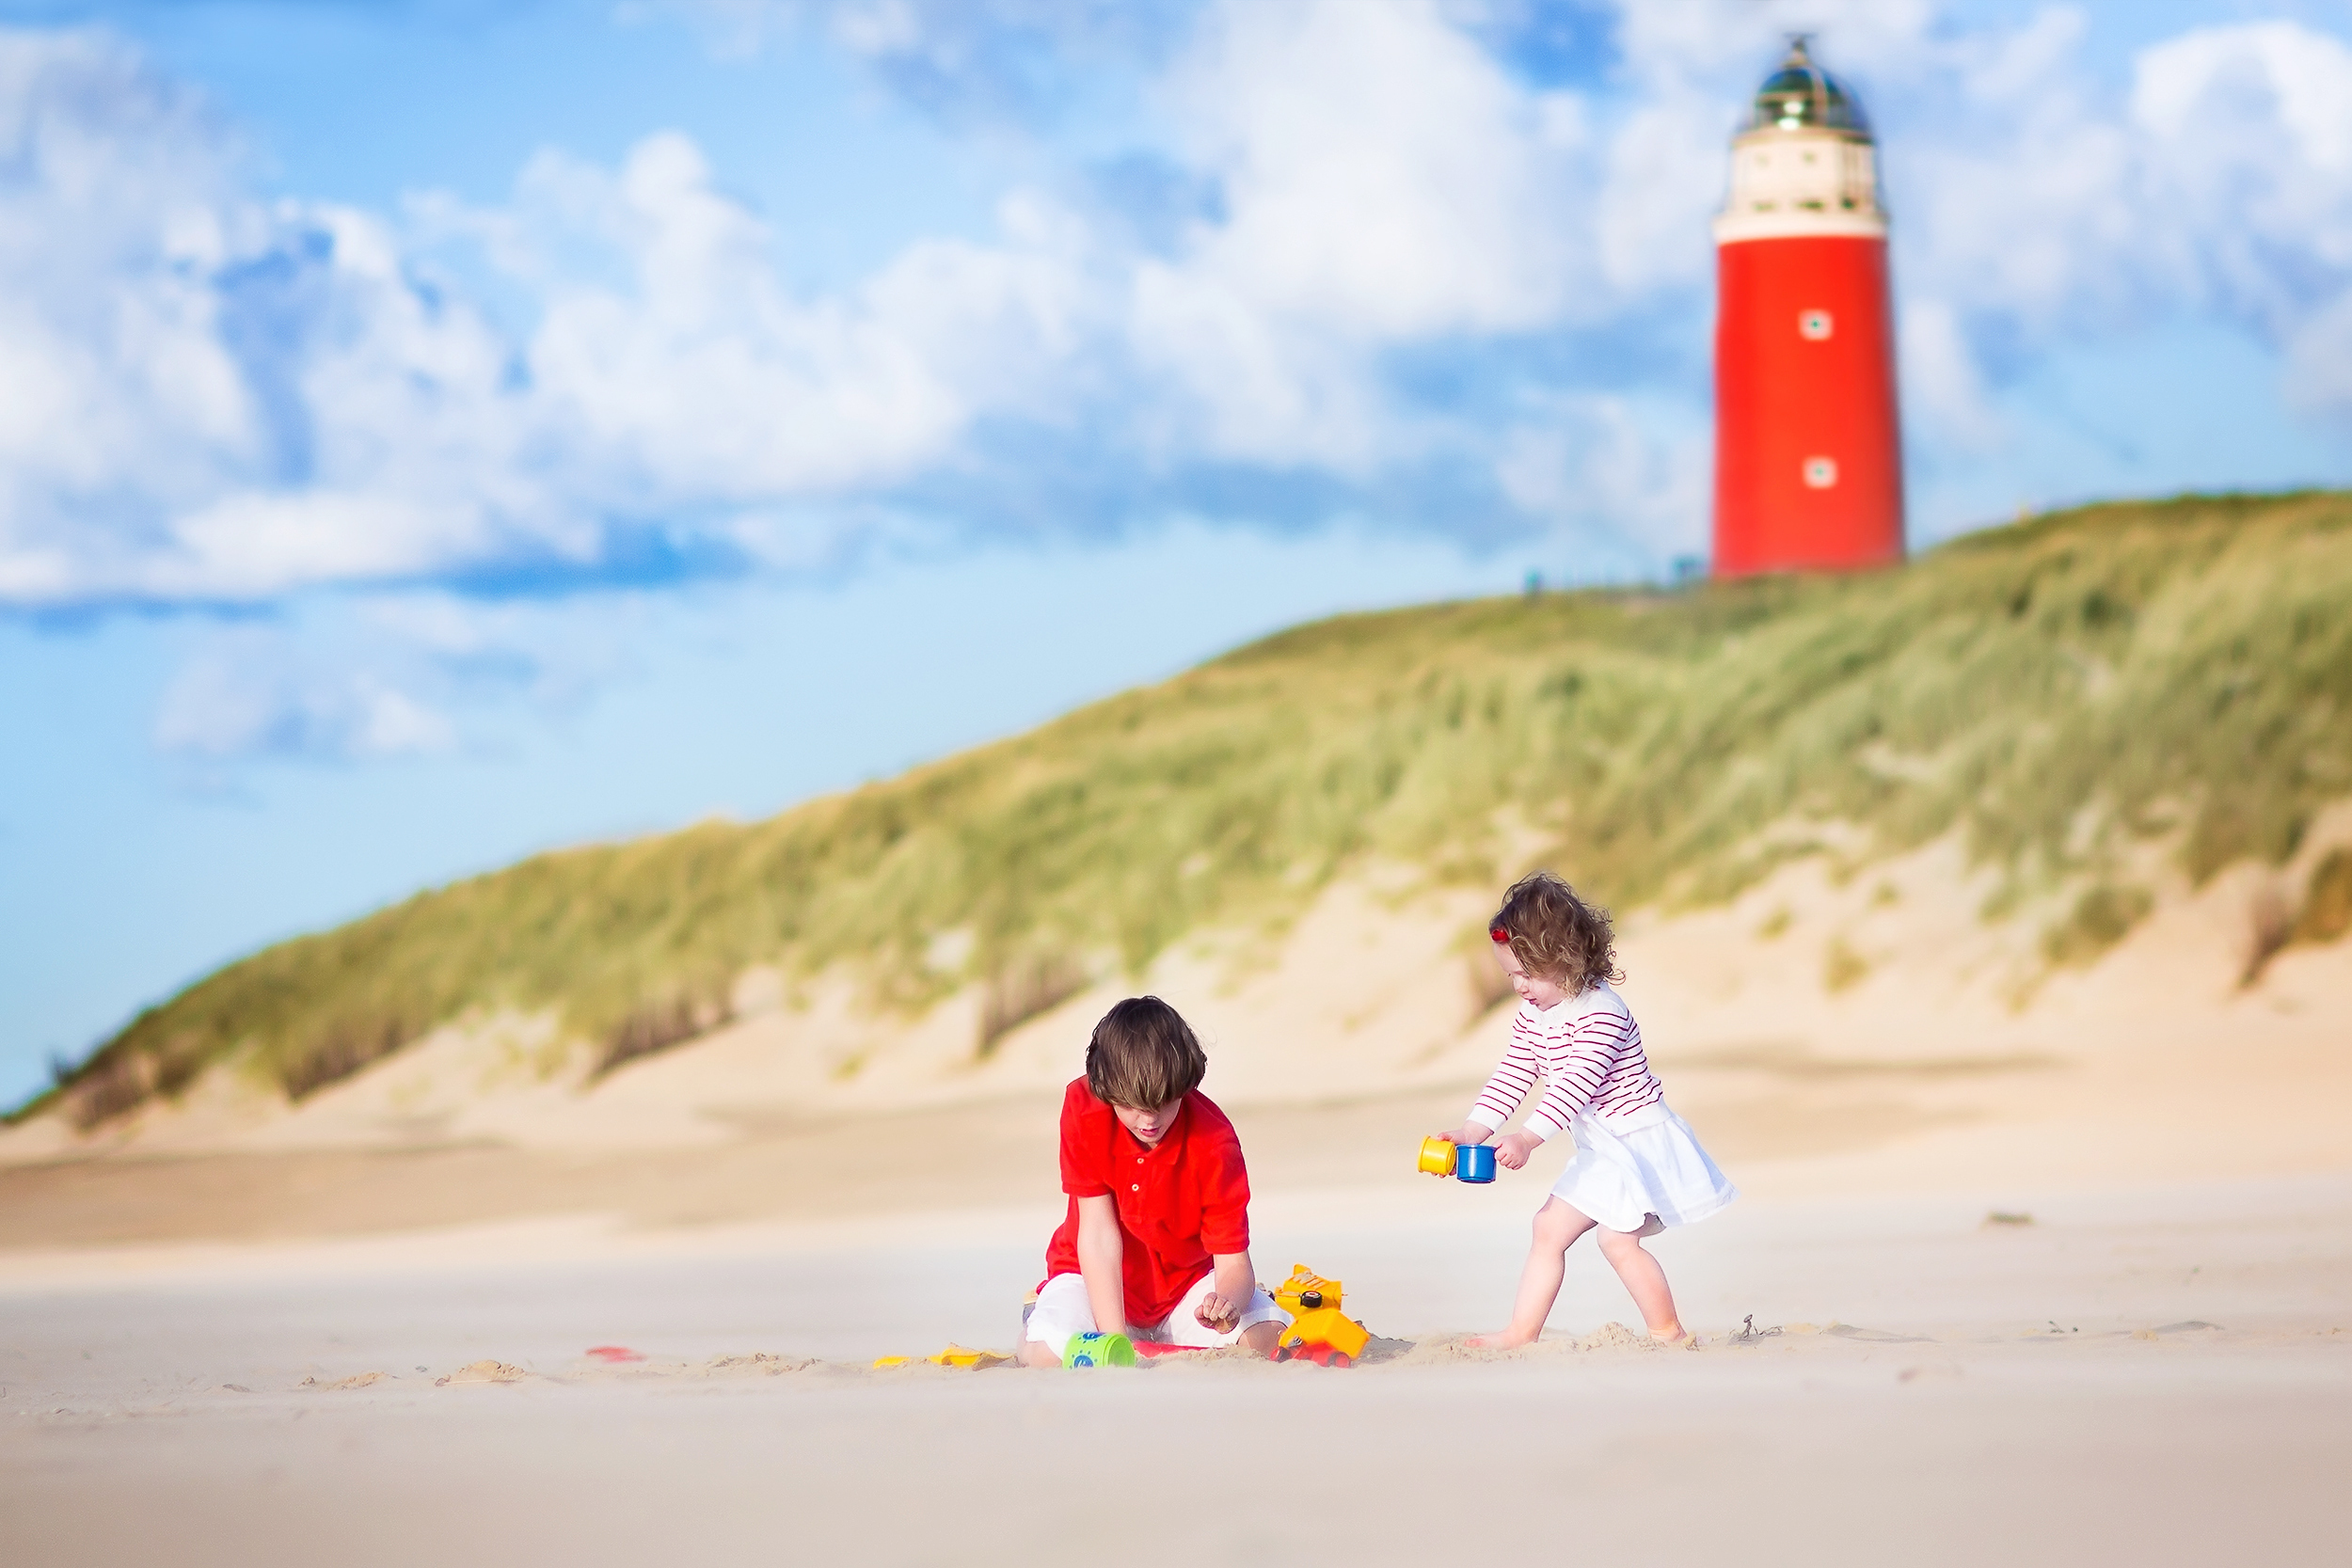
[1497,933]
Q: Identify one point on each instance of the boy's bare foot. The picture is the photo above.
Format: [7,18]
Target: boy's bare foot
[1674,1336]
[1507,1339]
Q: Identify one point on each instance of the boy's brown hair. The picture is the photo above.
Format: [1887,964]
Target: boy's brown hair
[1143,1056]
[1557,936]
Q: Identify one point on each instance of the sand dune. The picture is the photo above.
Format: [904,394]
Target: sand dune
[1868,989]
[359,1331]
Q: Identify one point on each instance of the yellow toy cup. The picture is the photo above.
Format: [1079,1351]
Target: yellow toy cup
[1436,1156]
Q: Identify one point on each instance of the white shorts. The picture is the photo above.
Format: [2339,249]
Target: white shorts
[1062,1309]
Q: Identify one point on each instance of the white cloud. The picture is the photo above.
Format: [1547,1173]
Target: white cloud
[2030,198]
[337,675]
[1942,383]
[1383,176]
[1597,469]
[2319,357]
[241,699]
[2249,131]
[203,396]
[118,397]
[207,396]
[211,398]
[704,374]
[1384,181]
[2222,183]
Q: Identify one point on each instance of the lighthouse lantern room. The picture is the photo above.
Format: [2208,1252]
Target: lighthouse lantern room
[1808,457]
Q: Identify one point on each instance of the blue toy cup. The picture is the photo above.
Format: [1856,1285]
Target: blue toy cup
[1474,1161]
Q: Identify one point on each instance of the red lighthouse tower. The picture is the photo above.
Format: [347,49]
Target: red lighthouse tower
[1808,458]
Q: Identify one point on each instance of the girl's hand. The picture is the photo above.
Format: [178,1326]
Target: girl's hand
[1512,1149]
[1470,1133]
[1217,1314]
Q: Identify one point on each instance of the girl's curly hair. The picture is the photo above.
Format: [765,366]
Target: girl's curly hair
[1557,936]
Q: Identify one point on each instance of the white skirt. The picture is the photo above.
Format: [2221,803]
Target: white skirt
[1631,1167]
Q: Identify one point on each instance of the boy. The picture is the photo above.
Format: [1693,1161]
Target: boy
[1156,1241]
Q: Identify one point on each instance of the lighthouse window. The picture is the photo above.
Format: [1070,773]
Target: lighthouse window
[1814,325]
[1821,473]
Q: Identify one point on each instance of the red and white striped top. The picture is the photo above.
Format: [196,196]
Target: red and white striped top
[1589,1049]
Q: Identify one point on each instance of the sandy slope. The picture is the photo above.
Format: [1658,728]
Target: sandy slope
[1885,990]
[1945,1051]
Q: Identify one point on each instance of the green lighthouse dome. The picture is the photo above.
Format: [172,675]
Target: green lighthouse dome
[1802,96]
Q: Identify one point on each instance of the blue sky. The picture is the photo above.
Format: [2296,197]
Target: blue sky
[433,432]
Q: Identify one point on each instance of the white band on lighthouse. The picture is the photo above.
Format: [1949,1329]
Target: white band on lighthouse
[1787,184]
[1732,227]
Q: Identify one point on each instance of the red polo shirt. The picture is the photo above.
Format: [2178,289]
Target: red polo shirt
[1179,1203]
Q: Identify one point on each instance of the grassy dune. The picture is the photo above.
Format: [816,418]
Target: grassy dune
[2059,692]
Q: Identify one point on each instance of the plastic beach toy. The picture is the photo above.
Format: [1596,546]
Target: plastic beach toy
[1476,1163]
[1318,1331]
[1099,1349]
[954,1356]
[1472,1163]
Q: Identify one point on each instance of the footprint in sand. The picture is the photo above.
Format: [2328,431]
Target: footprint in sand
[357,1380]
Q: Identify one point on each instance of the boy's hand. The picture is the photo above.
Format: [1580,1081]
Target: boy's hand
[1217,1314]
[1512,1149]
[1470,1133]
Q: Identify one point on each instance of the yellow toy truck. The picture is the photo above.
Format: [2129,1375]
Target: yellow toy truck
[1319,1331]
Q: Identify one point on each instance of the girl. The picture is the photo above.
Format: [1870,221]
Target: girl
[1637,1169]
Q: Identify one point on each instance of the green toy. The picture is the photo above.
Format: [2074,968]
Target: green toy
[1099,1349]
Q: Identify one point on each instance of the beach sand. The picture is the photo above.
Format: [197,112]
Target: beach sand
[2124,1368]
[2062,1277]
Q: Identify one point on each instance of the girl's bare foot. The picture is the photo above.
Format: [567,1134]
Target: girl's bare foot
[1508,1338]
[1678,1334]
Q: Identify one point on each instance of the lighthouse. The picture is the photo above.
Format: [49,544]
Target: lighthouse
[1808,457]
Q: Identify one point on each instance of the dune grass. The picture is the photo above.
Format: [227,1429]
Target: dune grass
[2058,693]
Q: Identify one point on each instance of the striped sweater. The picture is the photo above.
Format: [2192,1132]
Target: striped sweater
[1589,1049]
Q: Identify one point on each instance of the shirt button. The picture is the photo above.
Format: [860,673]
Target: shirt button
[1136,1187]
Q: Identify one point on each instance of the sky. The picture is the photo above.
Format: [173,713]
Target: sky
[431,433]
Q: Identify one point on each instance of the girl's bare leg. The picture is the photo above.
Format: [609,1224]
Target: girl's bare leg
[1644,1279]
[1557,1226]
